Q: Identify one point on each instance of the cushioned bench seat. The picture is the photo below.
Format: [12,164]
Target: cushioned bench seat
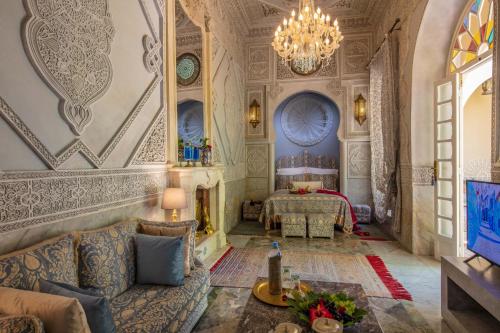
[150,308]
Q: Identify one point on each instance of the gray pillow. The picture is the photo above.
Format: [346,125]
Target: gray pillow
[160,260]
[96,307]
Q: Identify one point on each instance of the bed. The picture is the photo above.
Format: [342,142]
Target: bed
[306,168]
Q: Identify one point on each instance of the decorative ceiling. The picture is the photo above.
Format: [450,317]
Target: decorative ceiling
[248,15]
[261,13]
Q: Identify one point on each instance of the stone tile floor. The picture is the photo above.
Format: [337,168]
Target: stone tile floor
[420,275]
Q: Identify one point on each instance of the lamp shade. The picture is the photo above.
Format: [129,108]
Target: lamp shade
[174,198]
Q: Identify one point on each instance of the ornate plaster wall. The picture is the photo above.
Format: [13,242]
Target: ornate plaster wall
[83,141]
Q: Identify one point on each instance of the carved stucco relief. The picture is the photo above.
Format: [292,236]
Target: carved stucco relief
[327,70]
[69,44]
[151,149]
[358,160]
[355,54]
[228,102]
[259,63]
[152,62]
[36,198]
[257,161]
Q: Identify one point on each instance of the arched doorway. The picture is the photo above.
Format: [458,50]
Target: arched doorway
[453,50]
[308,122]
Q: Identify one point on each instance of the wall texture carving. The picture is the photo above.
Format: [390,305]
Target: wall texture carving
[422,175]
[257,161]
[259,63]
[69,44]
[327,70]
[35,198]
[152,62]
[54,35]
[358,160]
[356,53]
[151,150]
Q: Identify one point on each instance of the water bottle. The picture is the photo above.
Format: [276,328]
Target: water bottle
[274,260]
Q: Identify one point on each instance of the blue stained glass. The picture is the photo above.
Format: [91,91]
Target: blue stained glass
[491,37]
[475,6]
[466,21]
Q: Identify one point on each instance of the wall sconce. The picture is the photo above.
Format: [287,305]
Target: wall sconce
[360,109]
[254,113]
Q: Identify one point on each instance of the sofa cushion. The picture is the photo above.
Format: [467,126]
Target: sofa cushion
[173,230]
[152,308]
[97,309]
[20,324]
[106,258]
[59,314]
[160,260]
[53,259]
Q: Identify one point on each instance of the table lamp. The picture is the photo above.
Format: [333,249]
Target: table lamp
[174,198]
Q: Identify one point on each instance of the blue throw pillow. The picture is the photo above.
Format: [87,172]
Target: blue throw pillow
[160,260]
[96,307]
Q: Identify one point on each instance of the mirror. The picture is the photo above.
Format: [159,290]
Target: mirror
[190,108]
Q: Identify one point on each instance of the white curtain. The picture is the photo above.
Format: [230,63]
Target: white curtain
[384,129]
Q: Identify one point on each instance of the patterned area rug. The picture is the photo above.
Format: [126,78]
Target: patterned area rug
[240,268]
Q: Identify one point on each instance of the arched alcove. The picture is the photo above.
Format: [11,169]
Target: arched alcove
[307,121]
[190,121]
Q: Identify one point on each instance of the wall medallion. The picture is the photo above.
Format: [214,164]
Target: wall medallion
[68,43]
[188,69]
[306,120]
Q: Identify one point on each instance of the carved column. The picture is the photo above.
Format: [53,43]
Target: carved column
[495,133]
[171,82]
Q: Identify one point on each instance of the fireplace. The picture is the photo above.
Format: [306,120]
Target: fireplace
[202,213]
[205,196]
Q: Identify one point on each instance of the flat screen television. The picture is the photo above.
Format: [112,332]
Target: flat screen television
[483,219]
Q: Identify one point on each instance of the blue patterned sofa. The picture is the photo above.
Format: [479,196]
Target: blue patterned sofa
[104,260]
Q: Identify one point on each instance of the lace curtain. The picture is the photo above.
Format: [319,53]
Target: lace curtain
[384,129]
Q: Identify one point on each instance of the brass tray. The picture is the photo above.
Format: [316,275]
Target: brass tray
[261,291]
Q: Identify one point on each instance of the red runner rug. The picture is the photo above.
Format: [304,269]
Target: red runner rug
[395,287]
[218,262]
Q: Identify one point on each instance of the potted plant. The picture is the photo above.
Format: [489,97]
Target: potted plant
[309,306]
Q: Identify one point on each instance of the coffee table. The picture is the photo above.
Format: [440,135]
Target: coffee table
[260,317]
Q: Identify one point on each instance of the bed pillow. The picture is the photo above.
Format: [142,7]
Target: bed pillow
[313,186]
[59,314]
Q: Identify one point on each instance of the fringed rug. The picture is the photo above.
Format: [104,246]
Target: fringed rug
[240,268]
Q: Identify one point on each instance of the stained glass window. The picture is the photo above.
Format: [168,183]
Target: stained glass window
[475,34]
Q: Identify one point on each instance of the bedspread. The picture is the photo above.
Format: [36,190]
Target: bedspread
[282,201]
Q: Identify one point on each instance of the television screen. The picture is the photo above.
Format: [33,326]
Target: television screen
[483,219]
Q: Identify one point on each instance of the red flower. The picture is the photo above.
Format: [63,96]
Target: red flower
[318,312]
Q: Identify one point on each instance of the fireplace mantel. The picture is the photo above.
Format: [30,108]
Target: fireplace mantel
[211,178]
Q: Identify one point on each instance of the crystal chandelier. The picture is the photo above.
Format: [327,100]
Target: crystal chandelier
[307,39]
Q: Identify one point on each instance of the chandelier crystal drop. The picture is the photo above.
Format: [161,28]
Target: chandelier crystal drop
[307,38]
